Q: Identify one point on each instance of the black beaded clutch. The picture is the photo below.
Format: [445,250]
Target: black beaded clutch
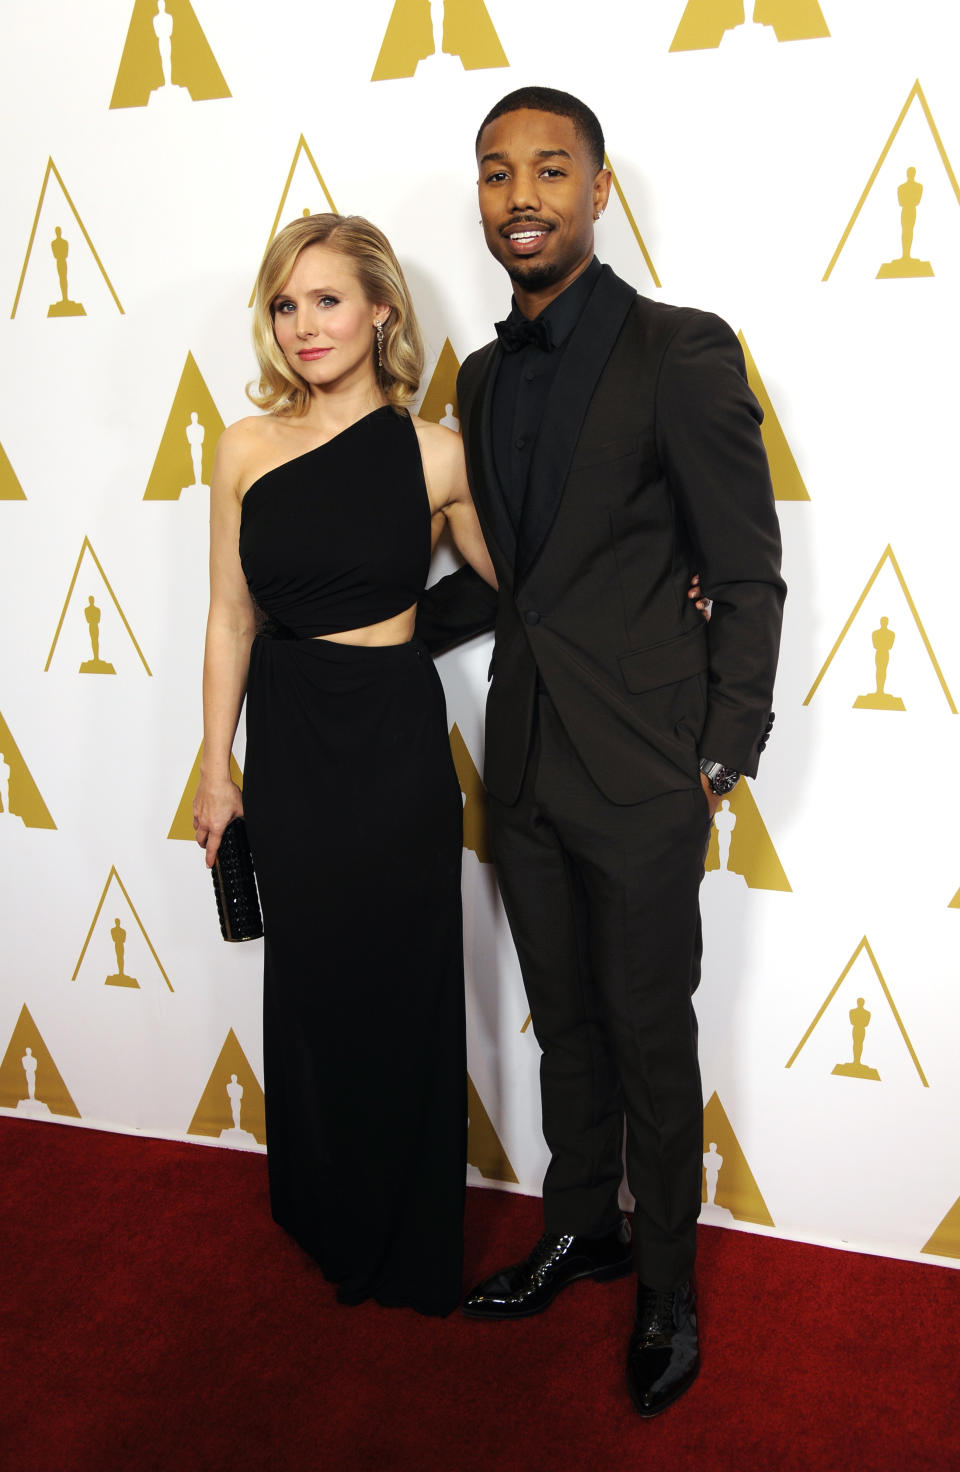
[235,886]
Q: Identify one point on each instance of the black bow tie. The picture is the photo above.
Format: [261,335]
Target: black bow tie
[518,334]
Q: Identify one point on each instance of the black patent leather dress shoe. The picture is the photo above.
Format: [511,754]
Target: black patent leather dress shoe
[529,1286]
[664,1355]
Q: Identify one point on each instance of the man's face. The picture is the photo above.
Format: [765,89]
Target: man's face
[539,194]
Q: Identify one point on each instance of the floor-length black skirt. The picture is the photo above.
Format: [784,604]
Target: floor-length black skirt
[354,813]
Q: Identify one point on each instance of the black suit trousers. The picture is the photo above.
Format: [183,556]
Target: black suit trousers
[603,903]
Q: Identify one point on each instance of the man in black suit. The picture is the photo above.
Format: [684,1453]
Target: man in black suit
[612,444]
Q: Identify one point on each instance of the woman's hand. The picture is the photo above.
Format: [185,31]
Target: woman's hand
[704,605]
[215,805]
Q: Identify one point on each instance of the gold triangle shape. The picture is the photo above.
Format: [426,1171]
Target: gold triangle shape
[888,555]
[863,946]
[87,546]
[787,481]
[193,419]
[630,220]
[182,825]
[945,1241]
[52,169]
[484,1150]
[119,978]
[737,1189]
[302,147]
[10,487]
[214,1116]
[51,1095]
[441,394]
[792,20]
[192,64]
[23,793]
[752,853]
[915,94]
[475,834]
[468,32]
[955,902]
[704,23]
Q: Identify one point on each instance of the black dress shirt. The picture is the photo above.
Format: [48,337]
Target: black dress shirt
[523,384]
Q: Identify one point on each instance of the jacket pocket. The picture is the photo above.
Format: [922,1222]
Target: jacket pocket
[665,663]
[601,452]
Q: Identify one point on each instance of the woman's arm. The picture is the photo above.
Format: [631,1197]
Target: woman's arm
[231,626]
[445,472]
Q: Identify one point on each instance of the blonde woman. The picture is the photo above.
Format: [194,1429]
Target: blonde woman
[325,510]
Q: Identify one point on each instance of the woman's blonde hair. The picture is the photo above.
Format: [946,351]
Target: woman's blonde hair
[281,389]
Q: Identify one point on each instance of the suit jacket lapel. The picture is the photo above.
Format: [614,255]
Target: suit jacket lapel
[485,483]
[584,358]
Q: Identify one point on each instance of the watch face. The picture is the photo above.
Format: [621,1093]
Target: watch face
[721,779]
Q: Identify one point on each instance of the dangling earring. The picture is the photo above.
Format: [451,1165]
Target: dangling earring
[379,327]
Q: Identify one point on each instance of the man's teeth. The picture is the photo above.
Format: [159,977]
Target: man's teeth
[527,234]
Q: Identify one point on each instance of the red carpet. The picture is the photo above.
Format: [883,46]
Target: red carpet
[154,1318]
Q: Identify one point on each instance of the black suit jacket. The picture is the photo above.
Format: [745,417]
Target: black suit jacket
[649,465]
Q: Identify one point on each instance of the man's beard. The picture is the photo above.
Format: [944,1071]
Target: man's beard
[533,275]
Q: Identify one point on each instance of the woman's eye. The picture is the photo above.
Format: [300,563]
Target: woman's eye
[283,307]
[329,301]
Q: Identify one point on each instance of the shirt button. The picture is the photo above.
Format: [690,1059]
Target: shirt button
[529,375]
[519,442]
[532,616]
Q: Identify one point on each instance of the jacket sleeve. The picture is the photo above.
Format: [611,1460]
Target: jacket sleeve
[709,442]
[454,609]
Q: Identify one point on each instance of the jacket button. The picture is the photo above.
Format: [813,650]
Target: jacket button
[532,616]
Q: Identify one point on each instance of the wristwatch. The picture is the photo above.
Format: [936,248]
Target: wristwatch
[721,779]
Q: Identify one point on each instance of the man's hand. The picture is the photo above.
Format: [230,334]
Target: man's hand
[713,801]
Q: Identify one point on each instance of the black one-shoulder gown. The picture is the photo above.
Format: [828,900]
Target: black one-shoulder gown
[354,813]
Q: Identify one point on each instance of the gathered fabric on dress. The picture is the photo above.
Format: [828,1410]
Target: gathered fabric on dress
[354,814]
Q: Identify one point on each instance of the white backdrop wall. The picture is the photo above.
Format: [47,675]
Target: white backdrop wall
[742,154]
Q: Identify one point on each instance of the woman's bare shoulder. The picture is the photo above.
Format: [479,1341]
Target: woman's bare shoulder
[436,440]
[251,432]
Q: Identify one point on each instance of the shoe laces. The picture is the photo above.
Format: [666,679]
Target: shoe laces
[655,1312]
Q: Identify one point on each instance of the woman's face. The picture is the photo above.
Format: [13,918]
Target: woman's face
[323,322]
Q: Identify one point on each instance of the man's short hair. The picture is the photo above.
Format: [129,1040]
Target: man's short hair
[561,104]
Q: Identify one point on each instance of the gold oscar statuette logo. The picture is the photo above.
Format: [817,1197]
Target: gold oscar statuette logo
[628,213]
[60,246]
[10,487]
[439,403]
[858,1021]
[740,850]
[305,182]
[729,1190]
[787,481]
[438,35]
[118,933]
[20,799]
[30,1081]
[92,613]
[955,902]
[484,1149]
[474,795]
[743,24]
[882,640]
[904,194]
[184,460]
[945,1241]
[231,1107]
[166,59]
